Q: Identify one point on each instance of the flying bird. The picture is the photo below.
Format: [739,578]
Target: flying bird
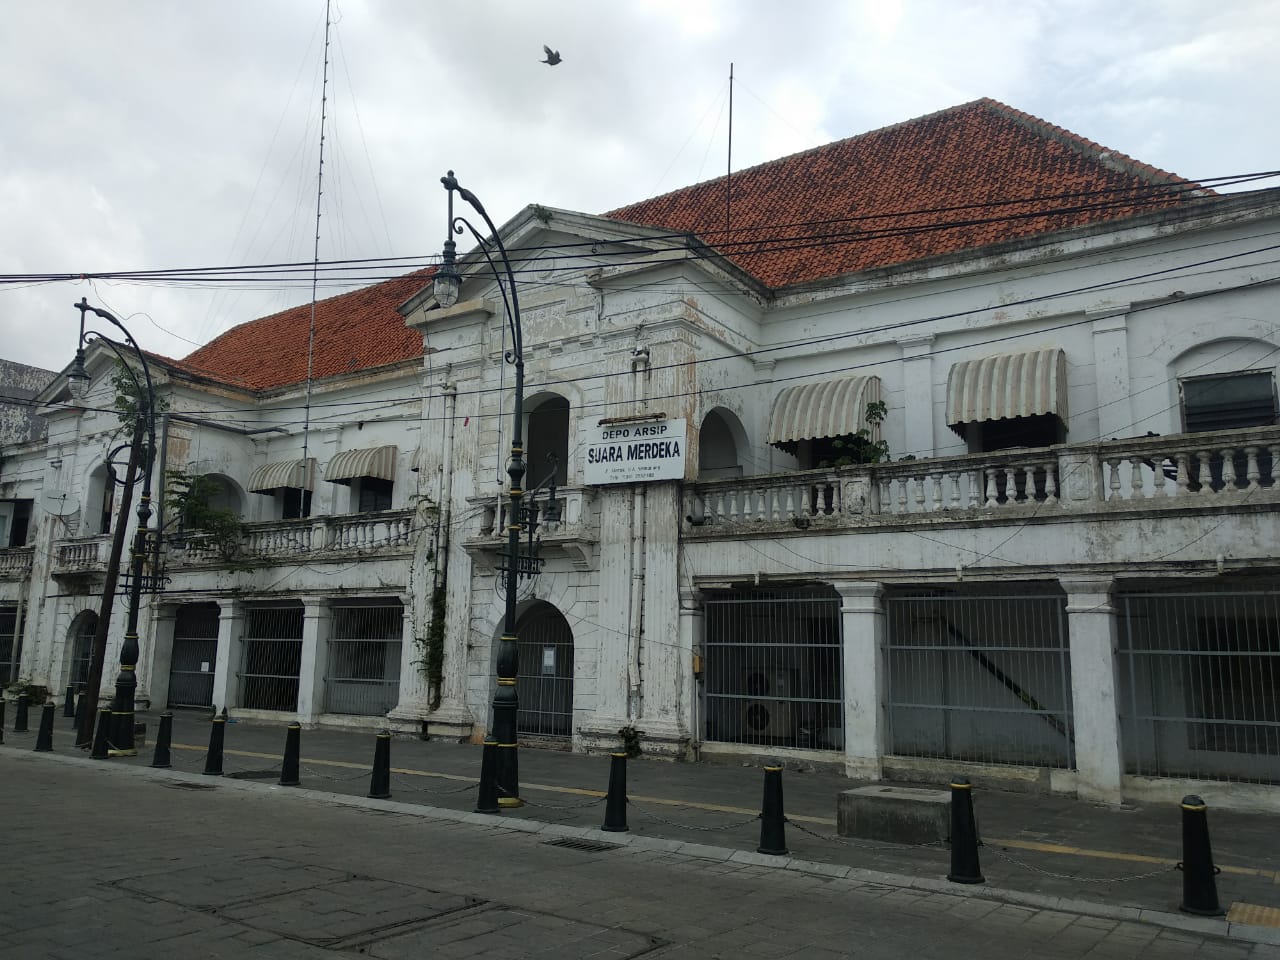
[553,56]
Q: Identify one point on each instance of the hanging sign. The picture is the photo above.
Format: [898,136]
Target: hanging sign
[634,452]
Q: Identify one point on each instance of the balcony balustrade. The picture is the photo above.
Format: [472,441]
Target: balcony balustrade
[1180,471]
[15,562]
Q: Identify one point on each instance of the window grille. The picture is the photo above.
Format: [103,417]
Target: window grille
[8,644]
[979,675]
[1200,683]
[774,668]
[82,651]
[272,658]
[363,665]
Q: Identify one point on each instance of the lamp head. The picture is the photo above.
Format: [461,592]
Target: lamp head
[447,282]
[78,377]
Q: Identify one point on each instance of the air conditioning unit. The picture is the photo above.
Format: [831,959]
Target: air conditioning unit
[767,719]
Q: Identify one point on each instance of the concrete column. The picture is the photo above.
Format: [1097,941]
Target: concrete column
[1111,363]
[226,691]
[163,617]
[862,625]
[917,396]
[616,672]
[315,633]
[692,638]
[665,654]
[1091,624]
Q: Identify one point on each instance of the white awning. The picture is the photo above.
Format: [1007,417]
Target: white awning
[379,462]
[826,408]
[1008,385]
[289,474]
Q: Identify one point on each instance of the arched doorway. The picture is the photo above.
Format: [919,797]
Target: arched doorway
[83,630]
[544,673]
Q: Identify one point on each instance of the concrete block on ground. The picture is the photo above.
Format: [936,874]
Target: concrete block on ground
[897,814]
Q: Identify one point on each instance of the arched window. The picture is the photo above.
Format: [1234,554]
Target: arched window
[719,453]
[99,504]
[547,433]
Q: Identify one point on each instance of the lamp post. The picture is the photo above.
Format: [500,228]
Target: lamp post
[122,705]
[447,286]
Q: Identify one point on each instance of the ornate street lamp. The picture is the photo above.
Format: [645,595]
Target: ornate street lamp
[122,706]
[447,285]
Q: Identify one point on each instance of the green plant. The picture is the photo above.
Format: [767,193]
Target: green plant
[630,737]
[433,655]
[189,501]
[858,447]
[36,693]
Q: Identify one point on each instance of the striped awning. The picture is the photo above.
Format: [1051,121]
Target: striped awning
[826,408]
[351,465]
[1008,385]
[287,474]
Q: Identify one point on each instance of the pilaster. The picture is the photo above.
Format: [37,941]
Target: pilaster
[862,625]
[1091,625]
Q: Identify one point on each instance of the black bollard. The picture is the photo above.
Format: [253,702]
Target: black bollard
[101,736]
[1199,888]
[615,804]
[2,704]
[69,704]
[164,737]
[44,737]
[487,799]
[964,835]
[78,712]
[292,748]
[20,715]
[380,779]
[217,738]
[773,830]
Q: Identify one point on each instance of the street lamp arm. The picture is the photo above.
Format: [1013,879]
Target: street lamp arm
[512,314]
[84,305]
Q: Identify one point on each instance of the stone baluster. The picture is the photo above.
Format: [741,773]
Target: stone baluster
[975,486]
[1204,472]
[1051,482]
[1183,483]
[937,492]
[1251,471]
[1228,471]
[993,494]
[955,489]
[902,494]
[918,483]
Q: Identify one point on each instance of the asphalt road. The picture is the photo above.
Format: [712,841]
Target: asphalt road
[109,860]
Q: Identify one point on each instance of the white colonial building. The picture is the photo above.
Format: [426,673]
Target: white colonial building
[950,446]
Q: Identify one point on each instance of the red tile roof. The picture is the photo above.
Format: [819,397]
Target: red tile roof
[890,196]
[354,331]
[930,186]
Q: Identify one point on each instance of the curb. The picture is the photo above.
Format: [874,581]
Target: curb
[1247,933]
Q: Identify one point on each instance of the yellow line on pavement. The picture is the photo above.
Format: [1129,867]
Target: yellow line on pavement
[1030,845]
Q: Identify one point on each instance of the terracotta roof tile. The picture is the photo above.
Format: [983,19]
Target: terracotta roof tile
[926,187]
[891,196]
[354,331]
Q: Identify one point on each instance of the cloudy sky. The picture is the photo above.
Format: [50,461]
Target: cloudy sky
[148,134]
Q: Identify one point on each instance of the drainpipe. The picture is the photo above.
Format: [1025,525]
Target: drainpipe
[639,530]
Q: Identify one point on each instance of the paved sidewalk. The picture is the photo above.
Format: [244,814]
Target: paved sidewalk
[1036,845]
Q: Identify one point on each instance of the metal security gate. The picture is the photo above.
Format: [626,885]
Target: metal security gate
[1200,683]
[544,673]
[272,658]
[86,628]
[8,644]
[980,674]
[774,671]
[195,654]
[363,666]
